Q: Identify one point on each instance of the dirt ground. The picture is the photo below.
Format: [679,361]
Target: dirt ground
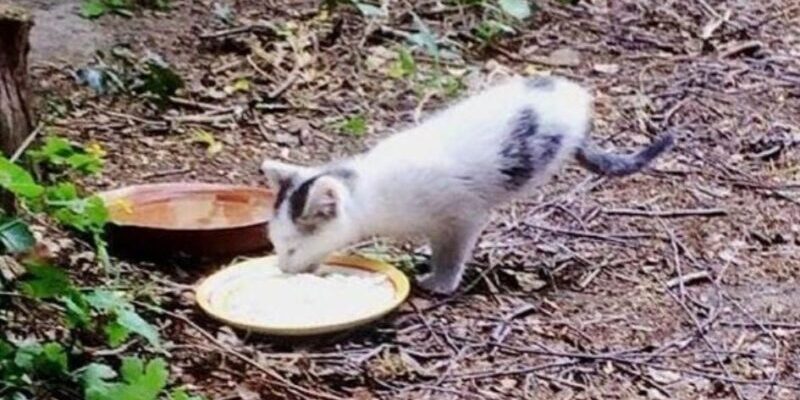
[679,283]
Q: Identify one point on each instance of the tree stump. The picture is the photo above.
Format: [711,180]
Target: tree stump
[16,116]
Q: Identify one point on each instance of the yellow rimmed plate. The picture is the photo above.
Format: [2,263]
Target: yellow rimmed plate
[212,292]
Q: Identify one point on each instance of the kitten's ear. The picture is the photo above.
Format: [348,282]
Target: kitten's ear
[279,173]
[321,204]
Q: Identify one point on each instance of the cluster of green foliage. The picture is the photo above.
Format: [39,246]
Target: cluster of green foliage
[29,367]
[92,9]
[121,71]
[25,365]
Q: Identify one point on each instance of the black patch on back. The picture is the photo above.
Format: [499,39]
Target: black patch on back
[526,151]
[540,83]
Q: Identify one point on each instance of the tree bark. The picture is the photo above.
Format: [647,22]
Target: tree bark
[16,116]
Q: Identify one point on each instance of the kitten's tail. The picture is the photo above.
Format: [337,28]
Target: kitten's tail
[610,164]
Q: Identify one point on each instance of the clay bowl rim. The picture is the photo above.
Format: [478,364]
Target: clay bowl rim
[111,195]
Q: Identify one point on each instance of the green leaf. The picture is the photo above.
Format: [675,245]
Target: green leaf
[213,146]
[424,37]
[78,313]
[139,381]
[116,334]
[369,10]
[85,163]
[161,81]
[404,66]
[354,126]
[180,394]
[106,301]
[127,321]
[86,215]
[59,152]
[15,235]
[18,181]
[6,349]
[519,9]
[145,383]
[92,9]
[51,361]
[132,321]
[95,378]
[26,355]
[64,191]
[97,374]
[45,281]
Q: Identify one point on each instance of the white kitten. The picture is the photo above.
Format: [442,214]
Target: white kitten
[442,178]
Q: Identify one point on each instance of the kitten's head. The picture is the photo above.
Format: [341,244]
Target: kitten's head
[310,218]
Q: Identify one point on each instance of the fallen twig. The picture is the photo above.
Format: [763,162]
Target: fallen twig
[688,278]
[710,212]
[26,143]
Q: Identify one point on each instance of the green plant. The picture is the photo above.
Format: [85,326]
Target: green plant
[488,31]
[62,200]
[404,66]
[355,125]
[23,364]
[46,282]
[15,235]
[60,153]
[39,369]
[137,380]
[92,9]
[424,38]
[519,9]
[159,81]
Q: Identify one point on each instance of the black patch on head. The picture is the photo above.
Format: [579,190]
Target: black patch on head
[299,197]
[540,83]
[526,151]
[283,190]
[345,174]
[287,187]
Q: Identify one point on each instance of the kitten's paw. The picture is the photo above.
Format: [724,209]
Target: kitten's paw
[437,284]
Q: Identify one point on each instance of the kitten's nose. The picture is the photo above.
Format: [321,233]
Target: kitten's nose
[313,268]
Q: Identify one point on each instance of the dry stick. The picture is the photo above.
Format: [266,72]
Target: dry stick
[768,332]
[705,339]
[749,45]
[710,212]
[236,31]
[196,104]
[614,237]
[240,356]
[168,172]
[724,293]
[429,328]
[517,371]
[676,262]
[293,76]
[684,342]
[688,278]
[25,144]
[619,358]
[690,314]
[767,324]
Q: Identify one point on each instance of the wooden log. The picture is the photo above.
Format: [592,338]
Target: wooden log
[16,115]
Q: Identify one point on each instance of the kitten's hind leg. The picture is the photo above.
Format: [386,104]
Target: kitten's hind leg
[451,249]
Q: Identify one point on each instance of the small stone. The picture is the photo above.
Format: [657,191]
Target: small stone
[609,69]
